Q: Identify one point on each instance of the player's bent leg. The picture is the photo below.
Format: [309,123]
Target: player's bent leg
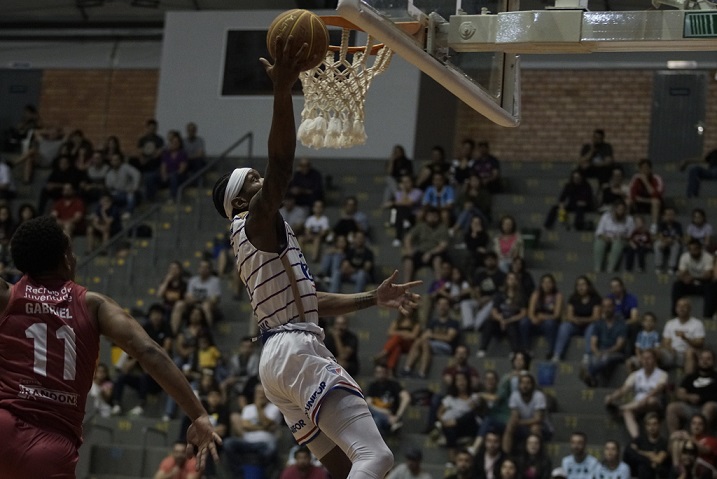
[346,421]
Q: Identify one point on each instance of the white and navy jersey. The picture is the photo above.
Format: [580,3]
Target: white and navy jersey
[622,471]
[268,283]
[580,470]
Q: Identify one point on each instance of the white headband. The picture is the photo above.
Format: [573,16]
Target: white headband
[234,186]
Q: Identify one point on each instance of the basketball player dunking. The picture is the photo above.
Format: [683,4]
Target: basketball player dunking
[322,405]
[49,343]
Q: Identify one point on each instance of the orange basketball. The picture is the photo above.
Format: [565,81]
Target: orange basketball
[305,27]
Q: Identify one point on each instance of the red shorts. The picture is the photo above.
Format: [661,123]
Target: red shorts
[28,451]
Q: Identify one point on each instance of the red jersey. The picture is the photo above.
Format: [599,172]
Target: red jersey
[50,346]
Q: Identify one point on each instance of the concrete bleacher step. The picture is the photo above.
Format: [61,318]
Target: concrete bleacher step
[135,430]
[598,426]
[575,398]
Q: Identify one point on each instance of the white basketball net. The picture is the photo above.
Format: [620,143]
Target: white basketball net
[334,96]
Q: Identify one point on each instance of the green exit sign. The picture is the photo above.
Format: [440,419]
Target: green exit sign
[700,25]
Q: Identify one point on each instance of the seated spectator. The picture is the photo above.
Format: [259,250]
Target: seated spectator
[208,355]
[122,181]
[699,229]
[697,393]
[425,245]
[611,465]
[69,210]
[534,462]
[332,259]
[411,469]
[356,267]
[695,275]
[488,168]
[111,146]
[457,413]
[607,344]
[59,176]
[646,386]
[616,190]
[243,369]
[687,466]
[100,394]
[527,283]
[529,414]
[7,223]
[130,373]
[148,160]
[20,132]
[177,465]
[463,468]
[509,309]
[194,147]
[79,149]
[296,216]
[397,166]
[172,288]
[668,242]
[639,243]
[647,454]
[496,411]
[26,212]
[477,242]
[579,464]
[626,307]
[314,230]
[648,339]
[404,330]
[698,434]
[387,400]
[474,199]
[457,364]
[203,290]
[584,309]
[508,245]
[455,288]
[489,457]
[302,468]
[343,344]
[509,469]
[462,165]
[576,197]
[611,235]
[697,173]
[351,220]
[442,196]
[259,423]
[646,190]
[440,337]
[173,166]
[103,223]
[545,309]
[43,149]
[682,338]
[437,163]
[596,158]
[404,207]
[487,281]
[96,174]
[306,184]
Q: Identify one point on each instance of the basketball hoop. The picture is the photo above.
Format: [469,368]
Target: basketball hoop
[335,91]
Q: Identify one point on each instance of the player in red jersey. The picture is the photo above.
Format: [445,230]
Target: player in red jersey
[49,344]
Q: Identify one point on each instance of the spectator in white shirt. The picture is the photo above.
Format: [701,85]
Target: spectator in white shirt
[203,289]
[122,181]
[695,277]
[682,338]
[611,236]
[579,464]
[316,229]
[647,386]
[611,466]
[528,413]
[7,184]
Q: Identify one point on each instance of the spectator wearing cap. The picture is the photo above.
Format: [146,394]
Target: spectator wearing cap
[579,464]
[411,469]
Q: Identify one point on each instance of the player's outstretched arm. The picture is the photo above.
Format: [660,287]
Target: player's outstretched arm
[126,332]
[388,295]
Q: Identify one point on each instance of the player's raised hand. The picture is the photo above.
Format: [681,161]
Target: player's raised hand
[397,296]
[286,67]
[201,436]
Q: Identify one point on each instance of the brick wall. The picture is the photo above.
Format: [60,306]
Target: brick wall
[561,108]
[101,102]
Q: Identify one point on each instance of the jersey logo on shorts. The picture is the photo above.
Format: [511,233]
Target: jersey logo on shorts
[334,368]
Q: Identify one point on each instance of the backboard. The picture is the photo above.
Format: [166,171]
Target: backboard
[488,82]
